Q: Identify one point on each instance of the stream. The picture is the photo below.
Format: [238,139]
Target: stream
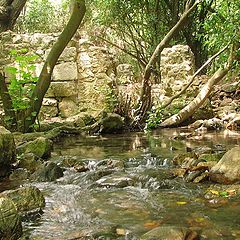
[123,188]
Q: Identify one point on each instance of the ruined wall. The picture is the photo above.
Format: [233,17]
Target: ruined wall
[79,79]
[83,76]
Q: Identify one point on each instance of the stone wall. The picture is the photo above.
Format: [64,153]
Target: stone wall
[85,72]
[80,78]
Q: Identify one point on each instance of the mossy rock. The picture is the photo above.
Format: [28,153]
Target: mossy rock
[7,151]
[166,233]
[180,158]
[112,123]
[10,223]
[41,147]
[30,162]
[211,157]
[48,173]
[26,199]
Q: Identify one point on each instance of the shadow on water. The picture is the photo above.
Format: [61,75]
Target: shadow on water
[129,190]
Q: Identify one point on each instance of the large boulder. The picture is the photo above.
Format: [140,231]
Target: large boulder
[26,199]
[169,233]
[48,173]
[227,170]
[7,151]
[41,147]
[30,162]
[111,123]
[10,224]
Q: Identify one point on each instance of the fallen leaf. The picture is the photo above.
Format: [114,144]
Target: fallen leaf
[214,192]
[99,210]
[181,203]
[121,231]
[231,192]
[153,224]
[223,194]
[200,219]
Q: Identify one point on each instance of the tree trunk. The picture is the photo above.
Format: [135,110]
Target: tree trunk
[9,12]
[188,111]
[24,120]
[44,81]
[10,119]
[145,101]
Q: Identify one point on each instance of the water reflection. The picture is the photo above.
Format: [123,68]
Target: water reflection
[79,205]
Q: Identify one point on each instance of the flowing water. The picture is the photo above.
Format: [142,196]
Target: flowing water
[128,189]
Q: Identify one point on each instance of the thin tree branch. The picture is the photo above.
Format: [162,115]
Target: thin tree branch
[199,100]
[141,61]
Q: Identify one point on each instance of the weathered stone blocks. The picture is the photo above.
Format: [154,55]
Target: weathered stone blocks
[62,89]
[65,71]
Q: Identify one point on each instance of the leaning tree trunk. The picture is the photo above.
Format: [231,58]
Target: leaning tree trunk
[44,81]
[188,111]
[145,101]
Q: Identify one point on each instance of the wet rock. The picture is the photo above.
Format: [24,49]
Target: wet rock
[69,161]
[227,170]
[30,162]
[41,147]
[203,177]
[190,162]
[211,157]
[97,174]
[115,181]
[179,172]
[76,120]
[110,163]
[19,174]
[202,150]
[169,233]
[81,168]
[213,124]
[180,158]
[26,199]
[111,123]
[7,151]
[234,124]
[192,175]
[212,233]
[196,124]
[47,173]
[205,165]
[10,224]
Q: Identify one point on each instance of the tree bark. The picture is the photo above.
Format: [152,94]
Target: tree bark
[7,104]
[44,81]
[9,12]
[188,111]
[145,101]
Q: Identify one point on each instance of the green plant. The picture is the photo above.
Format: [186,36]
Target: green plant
[158,114]
[43,16]
[22,79]
[109,97]
[154,118]
[222,27]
